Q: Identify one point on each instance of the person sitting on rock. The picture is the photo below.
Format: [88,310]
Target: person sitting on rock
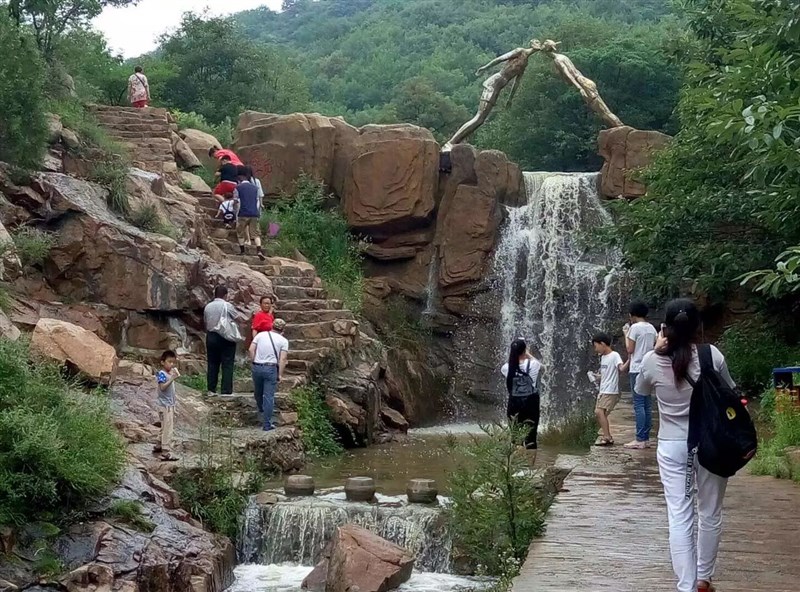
[264,318]
[220,153]
[247,226]
[269,356]
[228,174]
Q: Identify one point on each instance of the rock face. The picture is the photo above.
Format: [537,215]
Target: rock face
[360,560]
[10,265]
[69,344]
[199,143]
[625,150]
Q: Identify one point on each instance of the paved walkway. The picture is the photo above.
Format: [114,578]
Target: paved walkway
[607,532]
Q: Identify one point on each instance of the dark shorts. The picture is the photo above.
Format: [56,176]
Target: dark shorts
[526,410]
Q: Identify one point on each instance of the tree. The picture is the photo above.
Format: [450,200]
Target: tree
[220,72]
[419,103]
[51,19]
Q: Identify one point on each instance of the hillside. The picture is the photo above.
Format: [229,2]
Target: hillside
[380,61]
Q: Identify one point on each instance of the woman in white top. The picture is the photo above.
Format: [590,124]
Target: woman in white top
[523,374]
[664,373]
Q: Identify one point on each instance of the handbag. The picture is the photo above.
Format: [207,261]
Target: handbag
[226,328]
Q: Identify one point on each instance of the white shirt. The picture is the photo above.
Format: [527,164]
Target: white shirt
[265,354]
[656,377]
[609,373]
[532,368]
[643,334]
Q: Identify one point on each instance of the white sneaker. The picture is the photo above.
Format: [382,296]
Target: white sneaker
[636,445]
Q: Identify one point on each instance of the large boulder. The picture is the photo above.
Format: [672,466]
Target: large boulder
[199,143]
[72,345]
[391,180]
[625,150]
[282,147]
[184,155]
[358,559]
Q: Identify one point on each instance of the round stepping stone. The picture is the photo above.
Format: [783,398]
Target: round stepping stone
[299,485]
[421,491]
[360,489]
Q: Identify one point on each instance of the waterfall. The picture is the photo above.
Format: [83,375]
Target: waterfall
[555,290]
[297,530]
[431,288]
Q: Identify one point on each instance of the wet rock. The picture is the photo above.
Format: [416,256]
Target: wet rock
[394,419]
[72,345]
[89,578]
[625,150]
[360,560]
[266,498]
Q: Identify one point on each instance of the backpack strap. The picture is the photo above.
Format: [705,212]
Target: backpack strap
[705,357]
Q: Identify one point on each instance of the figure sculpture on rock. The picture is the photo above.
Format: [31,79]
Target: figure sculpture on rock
[516,61]
[587,88]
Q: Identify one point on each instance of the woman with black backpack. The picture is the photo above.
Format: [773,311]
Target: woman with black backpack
[669,372]
[523,374]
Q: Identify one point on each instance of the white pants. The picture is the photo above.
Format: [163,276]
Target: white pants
[692,559]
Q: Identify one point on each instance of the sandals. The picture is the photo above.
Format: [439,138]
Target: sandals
[604,442]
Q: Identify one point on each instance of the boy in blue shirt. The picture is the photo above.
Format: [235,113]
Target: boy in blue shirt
[165,379]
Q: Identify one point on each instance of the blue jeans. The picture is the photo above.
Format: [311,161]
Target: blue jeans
[643,409]
[265,383]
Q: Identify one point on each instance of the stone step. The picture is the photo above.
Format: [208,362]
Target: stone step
[329,343]
[130,136]
[108,120]
[298,280]
[287,383]
[208,203]
[309,355]
[143,127]
[313,316]
[297,293]
[308,305]
[321,330]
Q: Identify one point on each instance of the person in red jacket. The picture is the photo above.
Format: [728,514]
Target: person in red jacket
[264,318]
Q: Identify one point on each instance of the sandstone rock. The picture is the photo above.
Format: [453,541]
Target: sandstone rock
[10,265]
[155,182]
[360,560]
[184,155]
[70,139]
[280,449]
[394,419]
[501,177]
[7,329]
[193,184]
[391,178]
[282,147]
[89,578]
[54,128]
[625,150]
[199,143]
[6,586]
[75,346]
[397,246]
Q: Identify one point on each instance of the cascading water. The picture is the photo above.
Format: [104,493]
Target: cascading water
[556,292]
[312,522]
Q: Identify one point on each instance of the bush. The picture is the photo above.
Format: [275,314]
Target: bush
[783,423]
[148,219]
[496,508]
[194,381]
[752,349]
[33,245]
[579,431]
[313,417]
[223,131]
[130,512]
[23,128]
[58,448]
[322,235]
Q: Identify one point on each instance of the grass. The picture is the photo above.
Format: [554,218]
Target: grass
[223,132]
[319,435]
[130,512]
[148,219]
[579,431]
[401,326]
[5,298]
[194,381]
[58,447]
[32,244]
[322,235]
[782,423]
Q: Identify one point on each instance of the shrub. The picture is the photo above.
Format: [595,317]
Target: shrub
[148,219]
[496,508]
[217,490]
[33,245]
[5,299]
[130,511]
[222,131]
[752,349]
[58,448]
[194,381]
[783,423]
[313,417]
[323,236]
[579,431]
[23,128]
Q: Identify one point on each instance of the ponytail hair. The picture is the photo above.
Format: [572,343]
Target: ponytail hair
[681,324]
[517,349]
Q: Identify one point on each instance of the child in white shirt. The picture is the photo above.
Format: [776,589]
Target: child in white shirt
[227,211]
[608,394]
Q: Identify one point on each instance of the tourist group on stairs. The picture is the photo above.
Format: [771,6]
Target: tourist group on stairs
[671,366]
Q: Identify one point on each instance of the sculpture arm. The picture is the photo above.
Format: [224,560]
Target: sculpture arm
[498,60]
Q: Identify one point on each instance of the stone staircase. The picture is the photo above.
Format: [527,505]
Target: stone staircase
[146,133]
[316,325]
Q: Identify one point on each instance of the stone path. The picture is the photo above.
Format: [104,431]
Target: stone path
[607,532]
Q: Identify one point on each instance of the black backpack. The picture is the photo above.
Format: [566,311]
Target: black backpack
[522,383]
[721,433]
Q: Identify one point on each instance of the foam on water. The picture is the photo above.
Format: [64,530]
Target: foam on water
[288,577]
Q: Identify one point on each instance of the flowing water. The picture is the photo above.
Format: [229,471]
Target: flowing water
[557,291]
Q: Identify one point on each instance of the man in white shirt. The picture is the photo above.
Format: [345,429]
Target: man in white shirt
[640,339]
[269,355]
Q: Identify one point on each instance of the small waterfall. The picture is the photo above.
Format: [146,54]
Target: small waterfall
[431,288]
[296,531]
[556,291]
